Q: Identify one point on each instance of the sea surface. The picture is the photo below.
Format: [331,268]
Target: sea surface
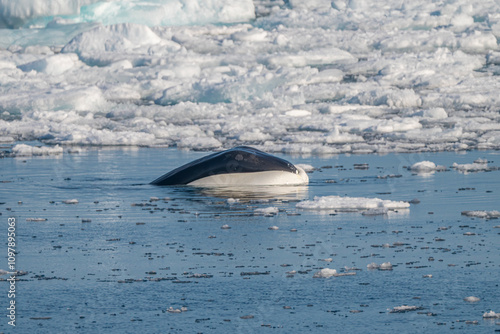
[127,251]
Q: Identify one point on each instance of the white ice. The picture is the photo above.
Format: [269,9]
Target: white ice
[426,167]
[350,203]
[315,77]
[325,273]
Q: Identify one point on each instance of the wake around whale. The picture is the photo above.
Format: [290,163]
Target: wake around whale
[239,166]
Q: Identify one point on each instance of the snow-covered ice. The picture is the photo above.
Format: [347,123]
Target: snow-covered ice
[325,273]
[315,77]
[350,203]
[426,167]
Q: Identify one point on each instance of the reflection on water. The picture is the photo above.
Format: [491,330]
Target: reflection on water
[290,193]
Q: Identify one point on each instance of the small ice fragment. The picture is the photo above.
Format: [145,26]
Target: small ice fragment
[472,299]
[423,166]
[481,214]
[405,308]
[372,266]
[386,266]
[153,199]
[225,227]
[270,211]
[328,259]
[491,315]
[325,273]
[474,167]
[273,228]
[350,203]
[427,276]
[172,310]
[184,309]
[232,201]
[70,201]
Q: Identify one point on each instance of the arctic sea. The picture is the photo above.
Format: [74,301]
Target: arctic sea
[104,251]
[393,108]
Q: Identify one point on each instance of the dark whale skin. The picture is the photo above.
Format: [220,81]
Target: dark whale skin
[240,159]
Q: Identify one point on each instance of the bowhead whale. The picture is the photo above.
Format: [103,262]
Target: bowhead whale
[239,166]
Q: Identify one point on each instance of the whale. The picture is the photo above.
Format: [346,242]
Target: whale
[238,166]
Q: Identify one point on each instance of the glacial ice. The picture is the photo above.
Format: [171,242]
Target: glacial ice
[319,77]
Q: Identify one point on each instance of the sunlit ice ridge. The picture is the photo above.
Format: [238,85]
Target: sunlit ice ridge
[315,77]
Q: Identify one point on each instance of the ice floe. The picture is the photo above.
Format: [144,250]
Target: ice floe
[340,204]
[426,167]
[28,150]
[491,315]
[316,77]
[405,308]
[482,214]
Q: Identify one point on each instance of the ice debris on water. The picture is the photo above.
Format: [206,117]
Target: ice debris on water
[476,166]
[426,167]
[23,150]
[472,299]
[405,308]
[327,272]
[269,211]
[70,201]
[482,214]
[176,310]
[491,315]
[386,266]
[350,203]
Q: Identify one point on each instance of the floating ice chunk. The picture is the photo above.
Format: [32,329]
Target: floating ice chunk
[474,167]
[482,214]
[225,227]
[325,273]
[405,308]
[27,150]
[231,201]
[172,310]
[70,201]
[491,315]
[273,228]
[386,266]
[472,299]
[350,203]
[272,210]
[426,166]
[372,266]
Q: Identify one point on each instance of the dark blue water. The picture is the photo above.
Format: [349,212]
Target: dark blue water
[116,261]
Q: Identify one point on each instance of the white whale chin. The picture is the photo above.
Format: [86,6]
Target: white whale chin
[267,178]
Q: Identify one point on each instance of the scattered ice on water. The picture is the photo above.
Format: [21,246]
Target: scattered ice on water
[350,203]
